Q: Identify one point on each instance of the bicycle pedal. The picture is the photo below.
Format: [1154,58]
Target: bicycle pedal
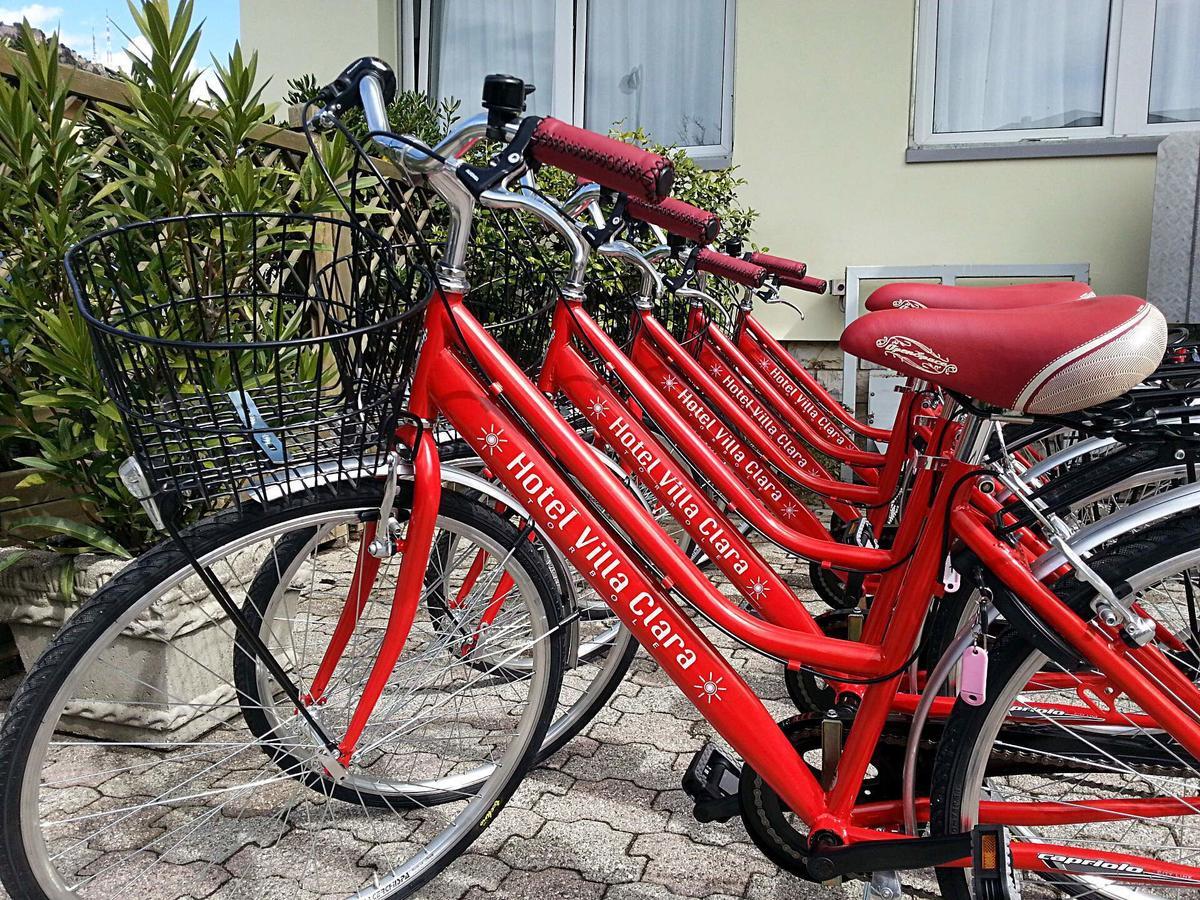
[711,781]
[992,872]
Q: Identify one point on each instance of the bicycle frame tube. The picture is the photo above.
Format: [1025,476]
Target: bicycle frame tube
[743,459]
[718,351]
[674,489]
[677,428]
[798,467]
[758,344]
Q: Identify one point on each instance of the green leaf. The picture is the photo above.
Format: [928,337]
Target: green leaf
[11,559]
[66,579]
[32,480]
[88,534]
[36,462]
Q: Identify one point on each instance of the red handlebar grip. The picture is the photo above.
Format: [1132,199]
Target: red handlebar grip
[807,283]
[739,271]
[679,218]
[779,265]
[618,166]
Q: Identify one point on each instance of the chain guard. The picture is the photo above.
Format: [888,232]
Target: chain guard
[809,693]
[769,822]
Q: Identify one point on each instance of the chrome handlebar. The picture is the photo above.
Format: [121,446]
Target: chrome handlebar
[651,278]
[438,169]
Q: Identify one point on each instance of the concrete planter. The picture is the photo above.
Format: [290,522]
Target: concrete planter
[171,668]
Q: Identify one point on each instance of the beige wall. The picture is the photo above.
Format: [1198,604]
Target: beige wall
[821,125]
[298,37]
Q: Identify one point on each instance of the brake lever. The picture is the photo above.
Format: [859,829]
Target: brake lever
[678,282]
[770,294]
[508,162]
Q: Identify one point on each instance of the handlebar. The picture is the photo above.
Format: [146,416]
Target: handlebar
[807,283]
[615,165]
[652,282]
[604,160]
[787,270]
[679,218]
[739,271]
[344,91]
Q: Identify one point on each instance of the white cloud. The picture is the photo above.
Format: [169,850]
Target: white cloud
[208,79]
[38,14]
[138,48]
[81,43]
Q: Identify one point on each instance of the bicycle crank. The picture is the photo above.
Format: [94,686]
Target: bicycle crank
[772,826]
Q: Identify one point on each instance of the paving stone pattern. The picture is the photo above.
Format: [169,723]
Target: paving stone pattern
[605,818]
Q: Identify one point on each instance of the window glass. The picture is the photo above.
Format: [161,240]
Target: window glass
[1175,70]
[1004,65]
[657,66]
[470,39]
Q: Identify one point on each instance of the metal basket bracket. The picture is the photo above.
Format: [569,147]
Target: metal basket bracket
[247,411]
[138,485]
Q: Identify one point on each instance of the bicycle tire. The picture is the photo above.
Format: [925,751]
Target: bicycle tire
[972,731]
[51,676]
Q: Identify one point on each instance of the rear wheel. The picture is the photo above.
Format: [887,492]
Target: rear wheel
[1084,766]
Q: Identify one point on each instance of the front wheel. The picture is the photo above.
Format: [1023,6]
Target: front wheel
[136,753]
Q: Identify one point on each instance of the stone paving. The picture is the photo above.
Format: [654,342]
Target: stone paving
[605,818]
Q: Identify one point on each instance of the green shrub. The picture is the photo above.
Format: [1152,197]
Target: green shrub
[67,172]
[64,175]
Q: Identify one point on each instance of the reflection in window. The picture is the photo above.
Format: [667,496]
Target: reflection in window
[1003,65]
[1175,70]
[657,66]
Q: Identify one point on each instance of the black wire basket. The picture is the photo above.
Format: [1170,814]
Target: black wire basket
[674,312]
[513,271]
[252,355]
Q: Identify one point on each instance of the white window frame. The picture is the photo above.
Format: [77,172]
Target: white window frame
[570,69]
[1127,75]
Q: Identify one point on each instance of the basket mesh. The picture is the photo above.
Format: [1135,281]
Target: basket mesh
[252,352]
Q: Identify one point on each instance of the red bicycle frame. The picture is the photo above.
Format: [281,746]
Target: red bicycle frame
[497,414]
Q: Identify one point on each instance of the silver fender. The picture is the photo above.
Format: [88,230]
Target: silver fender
[1145,512]
[1079,448]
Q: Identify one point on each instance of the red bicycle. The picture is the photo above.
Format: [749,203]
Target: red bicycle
[1081,803]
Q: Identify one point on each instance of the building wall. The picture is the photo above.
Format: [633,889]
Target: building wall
[822,91]
[821,125]
[298,37]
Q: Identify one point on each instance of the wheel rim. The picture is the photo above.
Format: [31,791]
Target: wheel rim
[459,823]
[978,786]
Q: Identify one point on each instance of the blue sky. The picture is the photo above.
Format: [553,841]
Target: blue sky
[103,24]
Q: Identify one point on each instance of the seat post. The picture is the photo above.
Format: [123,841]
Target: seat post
[973,442]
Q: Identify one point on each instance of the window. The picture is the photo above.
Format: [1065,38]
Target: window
[1029,72]
[665,67]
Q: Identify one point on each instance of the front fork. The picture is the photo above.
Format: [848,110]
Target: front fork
[379,541]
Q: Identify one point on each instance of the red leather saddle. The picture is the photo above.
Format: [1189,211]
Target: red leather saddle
[1063,357]
[910,295]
